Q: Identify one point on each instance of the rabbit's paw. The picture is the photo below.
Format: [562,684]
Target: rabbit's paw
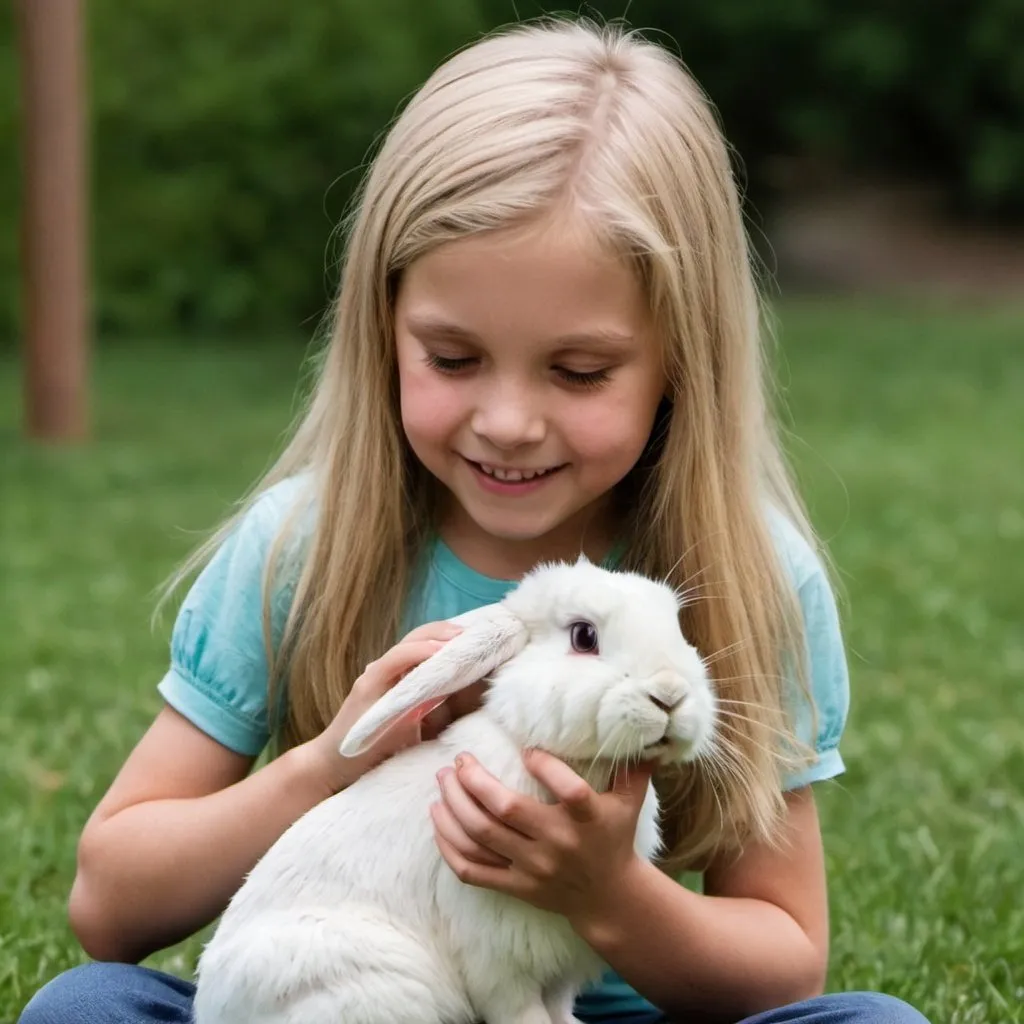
[525,1011]
[559,1005]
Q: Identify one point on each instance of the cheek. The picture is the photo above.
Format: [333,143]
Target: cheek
[429,405]
[612,428]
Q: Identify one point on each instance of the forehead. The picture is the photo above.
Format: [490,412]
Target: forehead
[533,284]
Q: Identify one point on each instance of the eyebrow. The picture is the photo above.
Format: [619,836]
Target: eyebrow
[441,330]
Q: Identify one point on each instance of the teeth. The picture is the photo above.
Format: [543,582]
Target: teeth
[512,475]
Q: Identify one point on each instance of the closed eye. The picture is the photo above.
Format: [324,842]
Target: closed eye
[593,379]
[446,364]
[575,378]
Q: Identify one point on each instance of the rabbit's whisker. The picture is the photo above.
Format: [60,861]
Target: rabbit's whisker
[736,716]
[729,729]
[730,767]
[691,595]
[749,675]
[724,652]
[678,562]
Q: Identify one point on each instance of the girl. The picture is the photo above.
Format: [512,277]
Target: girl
[545,342]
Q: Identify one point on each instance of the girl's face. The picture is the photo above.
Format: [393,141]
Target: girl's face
[529,377]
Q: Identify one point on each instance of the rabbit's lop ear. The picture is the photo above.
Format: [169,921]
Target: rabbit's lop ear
[491,636]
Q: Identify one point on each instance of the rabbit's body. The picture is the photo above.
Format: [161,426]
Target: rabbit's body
[353,917]
[357,941]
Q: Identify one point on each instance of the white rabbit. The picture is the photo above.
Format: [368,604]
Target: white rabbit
[353,917]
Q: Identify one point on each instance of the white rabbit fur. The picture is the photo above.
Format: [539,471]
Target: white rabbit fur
[353,917]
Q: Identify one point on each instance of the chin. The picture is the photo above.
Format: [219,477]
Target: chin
[506,531]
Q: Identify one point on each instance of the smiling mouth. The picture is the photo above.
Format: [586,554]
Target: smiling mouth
[513,476]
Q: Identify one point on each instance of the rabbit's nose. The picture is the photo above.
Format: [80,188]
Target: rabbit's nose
[668,706]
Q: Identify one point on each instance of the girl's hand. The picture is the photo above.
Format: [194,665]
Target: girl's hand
[561,857]
[379,676]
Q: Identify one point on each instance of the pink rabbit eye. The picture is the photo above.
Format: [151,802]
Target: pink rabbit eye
[584,638]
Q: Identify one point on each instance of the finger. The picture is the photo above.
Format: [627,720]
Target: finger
[630,781]
[520,813]
[441,630]
[571,790]
[382,674]
[446,825]
[478,824]
[483,876]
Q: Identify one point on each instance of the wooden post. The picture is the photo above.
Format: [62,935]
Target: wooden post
[54,223]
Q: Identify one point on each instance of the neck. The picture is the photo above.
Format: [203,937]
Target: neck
[590,532]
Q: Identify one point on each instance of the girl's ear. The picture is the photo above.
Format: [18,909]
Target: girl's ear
[491,636]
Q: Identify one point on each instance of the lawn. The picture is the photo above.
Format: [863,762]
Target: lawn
[909,436]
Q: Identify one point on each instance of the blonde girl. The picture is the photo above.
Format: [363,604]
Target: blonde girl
[546,341]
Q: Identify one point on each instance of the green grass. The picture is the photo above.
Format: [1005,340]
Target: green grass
[911,427]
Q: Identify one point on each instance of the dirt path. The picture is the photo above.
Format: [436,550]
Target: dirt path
[889,240]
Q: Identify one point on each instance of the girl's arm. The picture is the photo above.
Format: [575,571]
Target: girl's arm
[184,822]
[756,939]
[174,836]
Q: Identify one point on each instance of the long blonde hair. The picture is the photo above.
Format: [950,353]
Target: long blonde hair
[562,113]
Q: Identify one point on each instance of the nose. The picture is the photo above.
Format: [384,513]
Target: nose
[668,706]
[507,417]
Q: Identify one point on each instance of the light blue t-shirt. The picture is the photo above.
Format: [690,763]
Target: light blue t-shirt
[218,673]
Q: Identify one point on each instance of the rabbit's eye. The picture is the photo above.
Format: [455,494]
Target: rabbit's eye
[584,638]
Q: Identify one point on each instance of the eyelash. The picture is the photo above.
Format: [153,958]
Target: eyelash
[587,381]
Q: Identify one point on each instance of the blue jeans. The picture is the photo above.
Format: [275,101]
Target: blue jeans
[101,993]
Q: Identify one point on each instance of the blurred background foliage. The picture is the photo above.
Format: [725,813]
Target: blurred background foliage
[227,138]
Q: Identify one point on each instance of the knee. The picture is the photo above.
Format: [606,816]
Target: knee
[93,992]
[877,1008]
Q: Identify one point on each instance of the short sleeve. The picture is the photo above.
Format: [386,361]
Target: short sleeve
[218,672]
[824,658]
[828,679]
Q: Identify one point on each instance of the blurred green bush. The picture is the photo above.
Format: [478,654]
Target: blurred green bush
[930,89]
[226,138]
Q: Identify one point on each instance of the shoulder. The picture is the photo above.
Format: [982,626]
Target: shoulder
[218,675]
[255,532]
[798,557]
[820,722]
[809,578]
[271,508]
[233,575]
